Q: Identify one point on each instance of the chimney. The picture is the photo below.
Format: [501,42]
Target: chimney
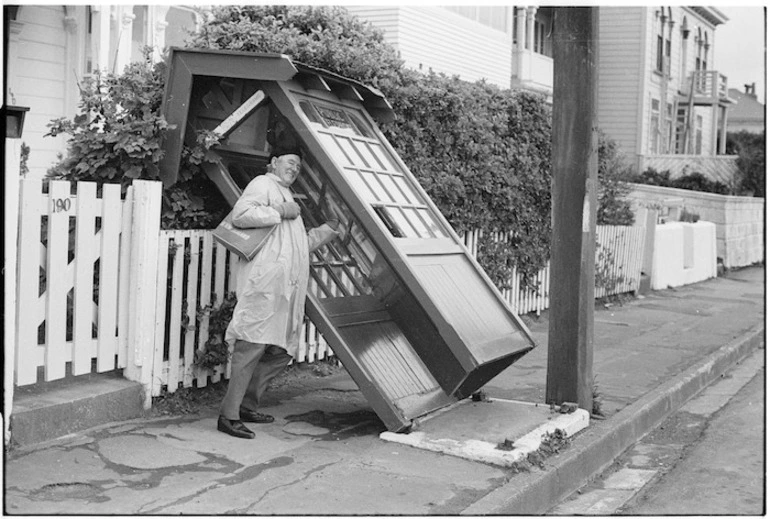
[750,89]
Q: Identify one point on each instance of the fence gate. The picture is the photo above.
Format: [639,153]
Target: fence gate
[72,297]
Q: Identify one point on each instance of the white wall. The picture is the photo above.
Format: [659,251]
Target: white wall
[684,253]
[739,220]
[39,80]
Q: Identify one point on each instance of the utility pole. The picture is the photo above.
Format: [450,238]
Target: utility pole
[573,195]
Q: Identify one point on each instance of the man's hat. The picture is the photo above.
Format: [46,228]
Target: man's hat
[282,141]
[285,149]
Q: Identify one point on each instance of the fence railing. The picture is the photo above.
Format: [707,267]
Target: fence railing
[619,255]
[72,273]
[101,289]
[194,272]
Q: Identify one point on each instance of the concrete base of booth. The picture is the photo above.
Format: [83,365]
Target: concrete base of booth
[494,431]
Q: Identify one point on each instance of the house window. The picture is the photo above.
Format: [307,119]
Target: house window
[180,21]
[655,126]
[139,32]
[659,40]
[699,135]
[88,50]
[495,17]
[539,37]
[668,129]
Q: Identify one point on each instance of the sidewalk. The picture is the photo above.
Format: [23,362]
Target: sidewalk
[323,454]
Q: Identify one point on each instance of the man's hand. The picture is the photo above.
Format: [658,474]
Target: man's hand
[288,210]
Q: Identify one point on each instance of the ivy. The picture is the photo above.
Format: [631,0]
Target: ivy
[215,352]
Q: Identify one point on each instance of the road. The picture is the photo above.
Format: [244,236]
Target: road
[707,458]
[723,472]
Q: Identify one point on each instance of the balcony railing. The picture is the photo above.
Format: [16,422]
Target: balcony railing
[709,83]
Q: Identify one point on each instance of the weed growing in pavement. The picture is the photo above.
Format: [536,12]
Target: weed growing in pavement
[552,443]
[596,397]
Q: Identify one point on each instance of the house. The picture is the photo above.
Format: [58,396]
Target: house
[472,42]
[658,97]
[52,47]
[748,114]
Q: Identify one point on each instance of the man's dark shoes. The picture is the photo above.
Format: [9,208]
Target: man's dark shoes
[234,428]
[248,415]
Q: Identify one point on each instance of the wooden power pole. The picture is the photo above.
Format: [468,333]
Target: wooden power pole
[573,194]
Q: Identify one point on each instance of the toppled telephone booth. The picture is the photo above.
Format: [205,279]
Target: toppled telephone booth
[411,315]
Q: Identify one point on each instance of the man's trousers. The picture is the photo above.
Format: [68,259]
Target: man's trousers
[252,367]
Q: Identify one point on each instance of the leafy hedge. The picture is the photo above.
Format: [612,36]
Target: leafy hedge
[693,181]
[116,138]
[482,153]
[750,148]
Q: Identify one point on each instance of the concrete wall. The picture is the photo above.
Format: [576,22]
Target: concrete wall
[739,220]
[684,253]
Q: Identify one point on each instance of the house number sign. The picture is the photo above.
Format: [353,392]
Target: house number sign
[61,204]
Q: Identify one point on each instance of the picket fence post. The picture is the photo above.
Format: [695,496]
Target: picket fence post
[11,215]
[142,285]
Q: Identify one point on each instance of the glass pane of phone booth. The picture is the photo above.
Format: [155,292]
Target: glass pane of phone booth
[489,335]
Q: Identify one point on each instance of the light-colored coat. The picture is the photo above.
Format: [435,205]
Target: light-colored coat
[272,287]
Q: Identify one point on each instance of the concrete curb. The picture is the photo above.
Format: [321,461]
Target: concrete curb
[536,492]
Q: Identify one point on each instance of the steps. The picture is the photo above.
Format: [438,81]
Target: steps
[48,410]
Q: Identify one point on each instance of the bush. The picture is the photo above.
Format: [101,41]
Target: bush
[482,153]
[694,181]
[116,138]
[614,174]
[750,148]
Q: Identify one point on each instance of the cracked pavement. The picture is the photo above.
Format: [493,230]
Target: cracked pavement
[322,448]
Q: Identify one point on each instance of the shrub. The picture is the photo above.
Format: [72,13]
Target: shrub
[750,148]
[116,138]
[482,153]
[614,174]
[693,181]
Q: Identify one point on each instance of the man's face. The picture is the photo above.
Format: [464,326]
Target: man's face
[287,168]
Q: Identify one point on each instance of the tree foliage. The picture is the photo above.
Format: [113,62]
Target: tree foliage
[117,137]
[482,153]
[614,174]
[750,148]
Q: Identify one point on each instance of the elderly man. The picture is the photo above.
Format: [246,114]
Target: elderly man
[271,289]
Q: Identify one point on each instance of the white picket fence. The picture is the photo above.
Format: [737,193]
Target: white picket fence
[194,271]
[104,288]
[92,327]
[619,255]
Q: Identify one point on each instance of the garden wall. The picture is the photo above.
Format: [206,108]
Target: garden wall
[720,168]
[739,220]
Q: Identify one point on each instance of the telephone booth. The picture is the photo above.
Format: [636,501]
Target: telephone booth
[405,307]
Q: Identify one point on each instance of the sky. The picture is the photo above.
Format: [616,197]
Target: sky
[740,47]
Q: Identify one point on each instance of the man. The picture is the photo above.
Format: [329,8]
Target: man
[271,289]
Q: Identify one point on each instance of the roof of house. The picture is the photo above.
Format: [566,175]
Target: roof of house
[747,107]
